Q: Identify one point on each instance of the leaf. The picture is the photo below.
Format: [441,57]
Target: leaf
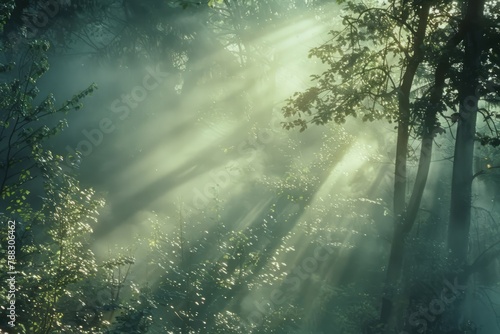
[212,3]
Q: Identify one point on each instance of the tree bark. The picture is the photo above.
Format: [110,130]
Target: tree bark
[395,264]
[406,219]
[461,184]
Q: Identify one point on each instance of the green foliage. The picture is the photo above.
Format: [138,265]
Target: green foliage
[6,8]
[488,140]
[59,255]
[363,60]
[26,126]
[351,308]
[53,253]
[212,3]
[366,61]
[203,280]
[137,316]
[199,275]
[52,236]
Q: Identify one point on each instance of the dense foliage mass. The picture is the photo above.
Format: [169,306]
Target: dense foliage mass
[334,230]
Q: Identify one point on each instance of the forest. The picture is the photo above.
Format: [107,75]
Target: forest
[246,166]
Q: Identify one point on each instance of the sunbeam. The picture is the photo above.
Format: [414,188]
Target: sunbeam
[249,167]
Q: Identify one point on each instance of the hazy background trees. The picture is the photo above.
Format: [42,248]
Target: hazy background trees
[216,218]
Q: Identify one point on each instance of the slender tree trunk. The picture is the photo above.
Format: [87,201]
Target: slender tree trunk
[460,210]
[395,263]
[405,218]
[403,226]
[461,184]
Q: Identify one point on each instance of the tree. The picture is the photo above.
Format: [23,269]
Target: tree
[377,80]
[474,83]
[460,210]
[25,127]
[422,42]
[52,211]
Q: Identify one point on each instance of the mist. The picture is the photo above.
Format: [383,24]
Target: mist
[215,217]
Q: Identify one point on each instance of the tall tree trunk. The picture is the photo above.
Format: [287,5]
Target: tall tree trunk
[395,263]
[460,210]
[404,224]
[405,220]
[461,184]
